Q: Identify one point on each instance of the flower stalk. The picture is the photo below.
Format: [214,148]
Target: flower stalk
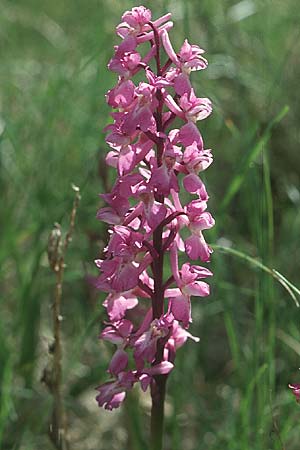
[158,390]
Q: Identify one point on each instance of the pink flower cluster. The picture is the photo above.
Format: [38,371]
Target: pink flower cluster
[157,167]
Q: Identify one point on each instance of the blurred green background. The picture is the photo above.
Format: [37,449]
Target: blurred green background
[230,390]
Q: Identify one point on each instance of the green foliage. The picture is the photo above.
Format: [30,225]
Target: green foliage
[230,390]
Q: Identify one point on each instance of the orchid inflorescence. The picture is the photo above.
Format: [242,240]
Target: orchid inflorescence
[149,312]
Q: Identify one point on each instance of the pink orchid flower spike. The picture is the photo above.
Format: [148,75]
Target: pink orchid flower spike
[157,208]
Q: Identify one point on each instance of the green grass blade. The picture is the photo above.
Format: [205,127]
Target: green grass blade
[233,339]
[250,156]
[289,287]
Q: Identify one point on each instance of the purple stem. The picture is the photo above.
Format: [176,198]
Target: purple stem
[158,384]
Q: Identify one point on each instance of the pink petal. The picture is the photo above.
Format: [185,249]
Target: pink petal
[156,215]
[168,46]
[110,334]
[197,288]
[126,160]
[203,222]
[182,84]
[189,134]
[162,368]
[196,247]
[192,183]
[108,215]
[172,105]
[116,401]
[202,272]
[181,309]
[118,362]
[112,158]
[296,391]
[180,335]
[118,305]
[126,279]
